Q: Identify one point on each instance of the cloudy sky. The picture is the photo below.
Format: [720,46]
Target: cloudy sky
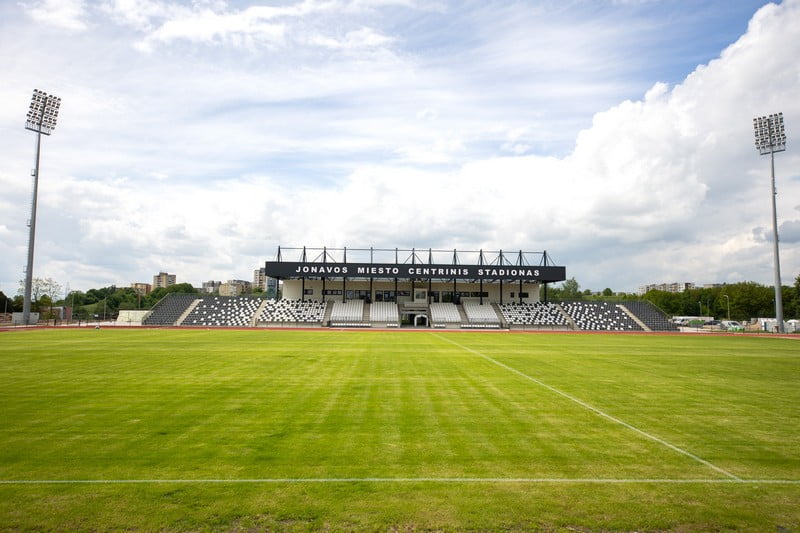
[195,137]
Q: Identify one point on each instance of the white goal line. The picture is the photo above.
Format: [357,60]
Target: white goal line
[594,409]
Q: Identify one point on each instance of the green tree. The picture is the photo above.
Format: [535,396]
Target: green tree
[670,303]
[80,314]
[43,293]
[75,299]
[751,300]
[790,303]
[51,288]
[45,307]
[107,301]
[608,292]
[37,290]
[94,296]
[6,304]
[792,294]
[571,288]
[154,297]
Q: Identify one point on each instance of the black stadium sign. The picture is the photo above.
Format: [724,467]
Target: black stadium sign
[290,270]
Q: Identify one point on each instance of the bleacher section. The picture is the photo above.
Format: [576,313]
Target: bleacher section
[240,311]
[233,311]
[481,316]
[348,314]
[650,315]
[600,316]
[385,313]
[538,314]
[167,311]
[292,311]
[444,313]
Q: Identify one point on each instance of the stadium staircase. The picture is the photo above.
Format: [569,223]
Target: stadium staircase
[633,317]
[326,320]
[187,312]
[167,311]
[651,315]
[573,326]
[499,313]
[254,321]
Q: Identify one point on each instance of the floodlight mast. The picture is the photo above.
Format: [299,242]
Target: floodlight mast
[41,119]
[771,138]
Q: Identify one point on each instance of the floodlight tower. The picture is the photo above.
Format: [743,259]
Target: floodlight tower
[771,138]
[42,117]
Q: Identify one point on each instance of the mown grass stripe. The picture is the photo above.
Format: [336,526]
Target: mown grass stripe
[592,408]
[346,480]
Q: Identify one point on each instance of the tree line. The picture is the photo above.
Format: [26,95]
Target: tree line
[734,301]
[737,301]
[105,302]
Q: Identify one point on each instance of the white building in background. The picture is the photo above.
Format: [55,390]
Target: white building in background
[211,286]
[265,283]
[674,287]
[142,289]
[163,280]
[235,287]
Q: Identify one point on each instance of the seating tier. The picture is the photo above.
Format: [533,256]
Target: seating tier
[232,311]
[167,311]
[350,311]
[384,312]
[532,314]
[650,315]
[480,314]
[599,316]
[444,313]
[308,311]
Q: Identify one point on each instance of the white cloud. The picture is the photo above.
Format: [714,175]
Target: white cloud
[207,27]
[141,15]
[64,14]
[271,26]
[361,38]
[788,232]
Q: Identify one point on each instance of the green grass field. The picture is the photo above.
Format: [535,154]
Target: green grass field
[348,430]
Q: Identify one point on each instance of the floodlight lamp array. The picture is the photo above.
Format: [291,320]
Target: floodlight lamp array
[770,134]
[43,112]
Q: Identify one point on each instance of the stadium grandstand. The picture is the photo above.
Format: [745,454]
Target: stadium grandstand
[372,288]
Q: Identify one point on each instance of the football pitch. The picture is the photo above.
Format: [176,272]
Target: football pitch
[402,430]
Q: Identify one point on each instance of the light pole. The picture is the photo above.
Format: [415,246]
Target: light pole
[728,298]
[771,138]
[41,119]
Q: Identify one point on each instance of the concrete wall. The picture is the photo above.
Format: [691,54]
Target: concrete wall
[130,318]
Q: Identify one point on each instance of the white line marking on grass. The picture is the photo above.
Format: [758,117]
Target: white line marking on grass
[597,481]
[593,409]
